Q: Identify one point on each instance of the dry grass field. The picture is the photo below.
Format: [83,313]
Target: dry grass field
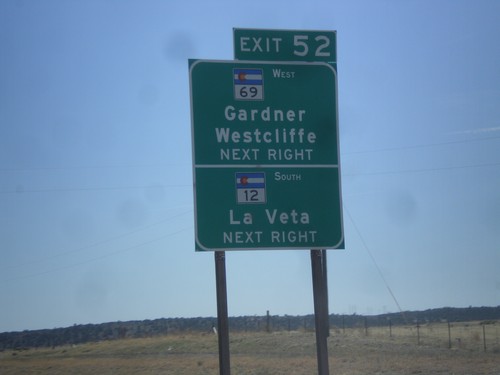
[353,351]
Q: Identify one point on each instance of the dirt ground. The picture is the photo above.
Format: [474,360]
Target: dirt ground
[351,352]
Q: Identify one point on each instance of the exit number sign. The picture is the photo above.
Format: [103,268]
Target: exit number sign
[285,45]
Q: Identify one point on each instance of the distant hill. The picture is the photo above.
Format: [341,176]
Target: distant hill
[78,334]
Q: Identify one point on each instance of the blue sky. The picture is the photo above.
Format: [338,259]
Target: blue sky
[96,202]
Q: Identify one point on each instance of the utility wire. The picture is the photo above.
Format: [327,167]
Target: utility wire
[94,244]
[163,165]
[109,166]
[21,190]
[110,188]
[422,170]
[425,145]
[96,258]
[367,249]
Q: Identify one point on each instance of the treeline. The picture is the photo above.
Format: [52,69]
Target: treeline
[78,334]
[444,314]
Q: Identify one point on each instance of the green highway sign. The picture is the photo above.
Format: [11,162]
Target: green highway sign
[285,45]
[265,155]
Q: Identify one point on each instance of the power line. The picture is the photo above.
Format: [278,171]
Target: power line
[92,245]
[425,145]
[96,258]
[163,165]
[82,167]
[367,249]
[21,190]
[422,170]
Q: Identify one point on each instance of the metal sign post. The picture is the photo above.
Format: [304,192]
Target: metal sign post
[320,310]
[222,315]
